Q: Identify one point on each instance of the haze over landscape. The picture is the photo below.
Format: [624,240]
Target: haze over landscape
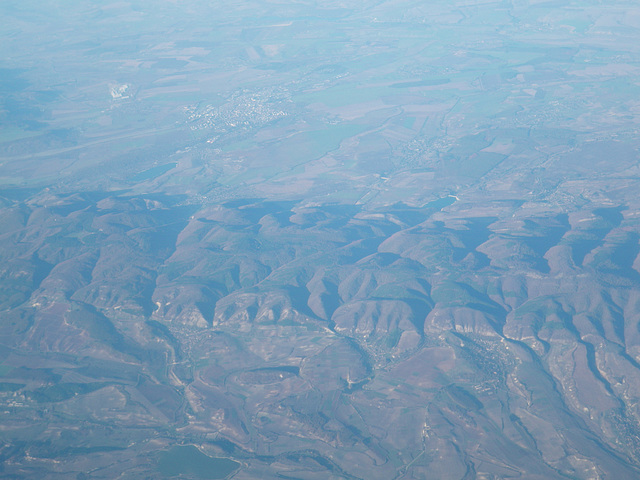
[384,239]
